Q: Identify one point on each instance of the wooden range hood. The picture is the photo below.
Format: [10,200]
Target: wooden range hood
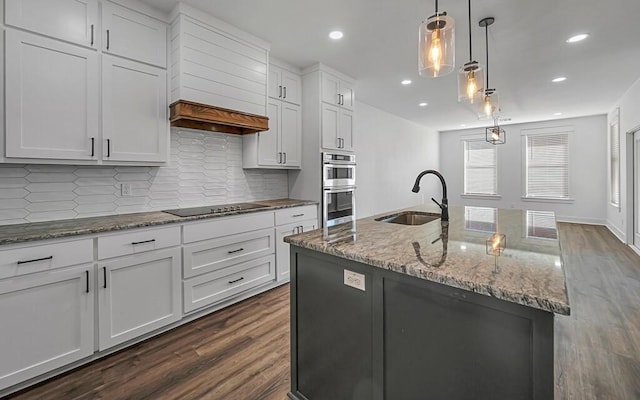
[188,114]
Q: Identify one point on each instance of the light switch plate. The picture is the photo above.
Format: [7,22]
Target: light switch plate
[354,279]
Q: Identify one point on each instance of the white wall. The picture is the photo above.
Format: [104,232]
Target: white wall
[390,153]
[205,169]
[587,169]
[629,105]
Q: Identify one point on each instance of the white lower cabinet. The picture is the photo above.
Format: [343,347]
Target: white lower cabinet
[47,322]
[282,248]
[137,294]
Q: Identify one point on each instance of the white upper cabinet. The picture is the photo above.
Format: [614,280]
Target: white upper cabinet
[74,21]
[337,91]
[51,93]
[133,35]
[134,108]
[284,85]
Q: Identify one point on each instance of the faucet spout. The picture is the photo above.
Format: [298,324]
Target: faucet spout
[444,204]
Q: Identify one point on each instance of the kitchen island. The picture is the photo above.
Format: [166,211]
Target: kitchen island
[427,311]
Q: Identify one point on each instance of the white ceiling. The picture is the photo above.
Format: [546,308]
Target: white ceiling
[526,43]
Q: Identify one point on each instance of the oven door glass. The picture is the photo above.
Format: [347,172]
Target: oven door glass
[339,206]
[339,175]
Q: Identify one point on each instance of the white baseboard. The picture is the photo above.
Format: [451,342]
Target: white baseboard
[617,232]
[634,248]
[581,220]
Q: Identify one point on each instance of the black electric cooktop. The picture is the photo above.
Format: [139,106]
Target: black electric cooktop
[217,209]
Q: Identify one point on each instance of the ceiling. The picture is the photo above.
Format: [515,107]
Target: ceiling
[526,43]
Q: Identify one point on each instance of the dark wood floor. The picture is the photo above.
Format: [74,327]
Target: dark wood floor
[242,352]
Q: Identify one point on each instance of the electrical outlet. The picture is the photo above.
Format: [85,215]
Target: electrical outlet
[354,279]
[126,189]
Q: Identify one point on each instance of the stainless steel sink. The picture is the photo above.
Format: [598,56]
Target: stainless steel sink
[410,218]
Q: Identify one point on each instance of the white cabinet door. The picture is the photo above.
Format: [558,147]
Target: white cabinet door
[268,152]
[73,21]
[330,126]
[347,95]
[51,98]
[138,294]
[346,130]
[291,134]
[292,87]
[47,322]
[135,125]
[275,84]
[129,34]
[282,248]
[330,88]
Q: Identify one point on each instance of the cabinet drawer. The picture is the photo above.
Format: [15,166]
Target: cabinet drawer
[227,226]
[219,285]
[27,260]
[137,242]
[296,214]
[203,257]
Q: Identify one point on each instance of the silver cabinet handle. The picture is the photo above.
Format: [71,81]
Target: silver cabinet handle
[280,92]
[285,92]
[91,34]
[35,260]
[279,158]
[285,158]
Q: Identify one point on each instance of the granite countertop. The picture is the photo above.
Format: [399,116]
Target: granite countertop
[83,226]
[529,271]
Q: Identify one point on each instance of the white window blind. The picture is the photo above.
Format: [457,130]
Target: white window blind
[547,169]
[480,168]
[614,161]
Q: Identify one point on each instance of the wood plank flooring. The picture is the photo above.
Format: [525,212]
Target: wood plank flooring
[242,352]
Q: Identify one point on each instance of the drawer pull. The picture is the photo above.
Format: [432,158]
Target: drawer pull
[35,260]
[87,276]
[297,215]
[235,251]
[104,275]
[144,241]
[237,280]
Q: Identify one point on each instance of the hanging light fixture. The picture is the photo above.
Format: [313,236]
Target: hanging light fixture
[470,76]
[436,50]
[494,134]
[488,106]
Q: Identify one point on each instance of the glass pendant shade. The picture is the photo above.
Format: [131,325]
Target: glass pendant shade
[495,134]
[487,104]
[436,52]
[470,82]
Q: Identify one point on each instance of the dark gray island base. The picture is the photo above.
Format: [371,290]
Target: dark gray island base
[410,337]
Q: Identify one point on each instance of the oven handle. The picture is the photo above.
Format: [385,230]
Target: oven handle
[340,189]
[339,163]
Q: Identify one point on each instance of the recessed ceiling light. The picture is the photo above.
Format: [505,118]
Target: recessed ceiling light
[406,82]
[578,38]
[557,114]
[559,79]
[335,35]
[423,104]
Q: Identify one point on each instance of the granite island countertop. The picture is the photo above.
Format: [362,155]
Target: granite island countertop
[529,272]
[19,233]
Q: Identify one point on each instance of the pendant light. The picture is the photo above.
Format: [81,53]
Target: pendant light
[488,106]
[495,134]
[436,50]
[470,76]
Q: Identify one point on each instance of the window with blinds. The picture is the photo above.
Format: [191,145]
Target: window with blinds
[547,166]
[480,168]
[614,161]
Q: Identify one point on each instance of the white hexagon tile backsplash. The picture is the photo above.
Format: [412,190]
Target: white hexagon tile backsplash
[204,169]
